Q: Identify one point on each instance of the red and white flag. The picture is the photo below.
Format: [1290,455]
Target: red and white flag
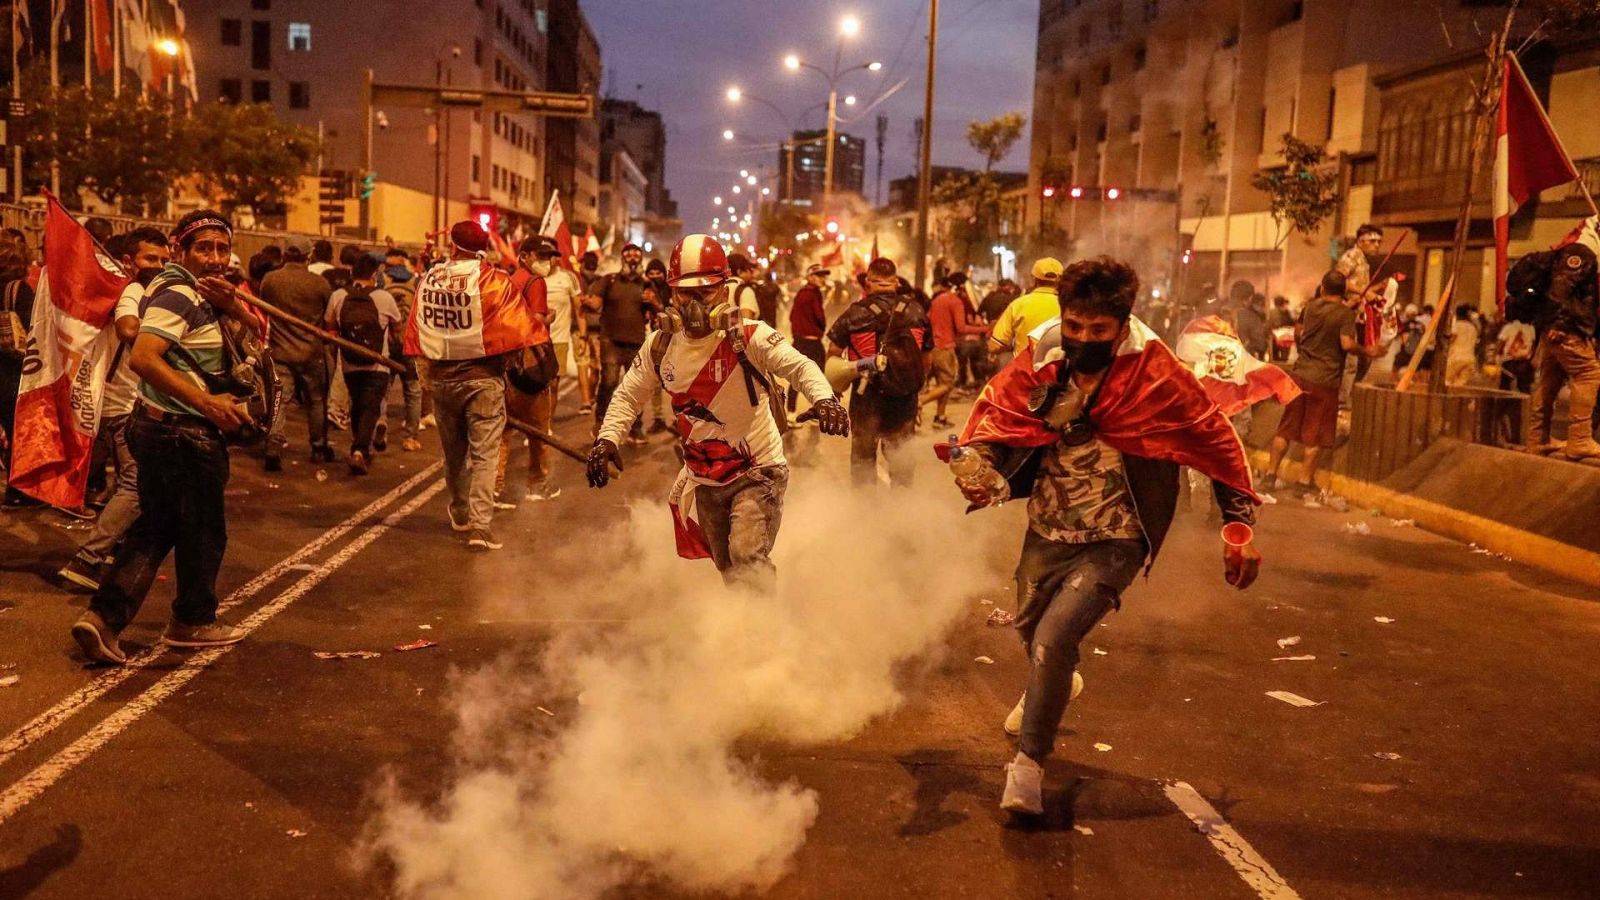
[1528,158]
[64,372]
[592,245]
[1233,378]
[554,225]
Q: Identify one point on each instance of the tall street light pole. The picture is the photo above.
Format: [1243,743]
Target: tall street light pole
[849,27]
[925,176]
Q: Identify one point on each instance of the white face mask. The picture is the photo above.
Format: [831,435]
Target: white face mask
[540,267]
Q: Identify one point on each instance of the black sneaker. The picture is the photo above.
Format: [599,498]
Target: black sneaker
[659,426]
[215,634]
[322,453]
[81,573]
[380,437]
[98,641]
[482,540]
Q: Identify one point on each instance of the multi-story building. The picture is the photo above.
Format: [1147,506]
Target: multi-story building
[1177,103]
[809,174]
[572,146]
[624,196]
[306,60]
[640,131]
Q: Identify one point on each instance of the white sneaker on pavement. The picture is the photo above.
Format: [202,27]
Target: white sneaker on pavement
[1013,724]
[1024,787]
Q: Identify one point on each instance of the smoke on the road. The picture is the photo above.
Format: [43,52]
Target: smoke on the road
[648,771]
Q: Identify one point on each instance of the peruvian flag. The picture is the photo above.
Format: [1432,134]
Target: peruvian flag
[1528,158]
[592,245]
[1233,378]
[554,225]
[100,16]
[64,372]
[1150,405]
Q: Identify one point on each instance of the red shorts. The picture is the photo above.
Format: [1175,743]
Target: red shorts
[1313,417]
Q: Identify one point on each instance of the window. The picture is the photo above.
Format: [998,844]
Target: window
[1135,121]
[260,92]
[1077,88]
[261,46]
[542,19]
[299,95]
[232,33]
[1100,133]
[1139,55]
[1084,32]
[477,52]
[1152,8]
[230,90]
[1105,74]
[261,5]
[477,168]
[300,36]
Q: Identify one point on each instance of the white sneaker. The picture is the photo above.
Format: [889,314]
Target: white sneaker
[457,526]
[426,422]
[1013,724]
[1024,787]
[542,492]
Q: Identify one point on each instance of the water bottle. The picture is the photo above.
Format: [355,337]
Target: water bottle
[972,471]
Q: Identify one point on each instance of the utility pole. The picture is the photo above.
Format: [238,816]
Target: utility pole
[16,100]
[925,175]
[882,134]
[438,138]
[827,164]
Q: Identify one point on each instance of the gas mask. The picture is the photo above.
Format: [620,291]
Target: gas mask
[698,313]
[1088,357]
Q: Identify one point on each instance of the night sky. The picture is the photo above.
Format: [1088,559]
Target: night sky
[680,57]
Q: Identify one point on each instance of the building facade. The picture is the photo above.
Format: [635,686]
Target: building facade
[1177,103]
[572,146]
[804,183]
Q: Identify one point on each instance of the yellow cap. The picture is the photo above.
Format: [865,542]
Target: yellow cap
[1048,268]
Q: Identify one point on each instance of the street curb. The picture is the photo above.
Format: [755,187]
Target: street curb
[1521,546]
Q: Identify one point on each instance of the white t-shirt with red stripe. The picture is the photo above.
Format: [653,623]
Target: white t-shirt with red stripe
[723,433]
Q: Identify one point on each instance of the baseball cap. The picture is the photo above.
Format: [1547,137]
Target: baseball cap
[1047,268]
[297,245]
[541,246]
[815,269]
[469,236]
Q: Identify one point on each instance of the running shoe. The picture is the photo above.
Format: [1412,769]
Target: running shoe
[482,540]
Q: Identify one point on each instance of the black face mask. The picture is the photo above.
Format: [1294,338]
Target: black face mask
[145,276]
[1088,357]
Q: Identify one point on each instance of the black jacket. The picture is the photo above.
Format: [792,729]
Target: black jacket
[1153,484]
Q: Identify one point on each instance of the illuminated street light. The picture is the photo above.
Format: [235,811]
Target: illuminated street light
[734,94]
[168,46]
[731,211]
[750,180]
[727,134]
[1076,192]
[744,173]
[791,62]
[766,192]
[716,201]
[736,189]
[874,66]
[850,26]
[850,100]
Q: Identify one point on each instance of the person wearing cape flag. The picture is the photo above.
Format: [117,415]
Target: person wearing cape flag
[1090,422]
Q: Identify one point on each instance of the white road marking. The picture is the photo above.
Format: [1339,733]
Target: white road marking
[33,784]
[52,718]
[1229,844]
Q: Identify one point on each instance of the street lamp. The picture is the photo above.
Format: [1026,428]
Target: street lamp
[716,201]
[850,100]
[791,62]
[734,94]
[727,134]
[850,27]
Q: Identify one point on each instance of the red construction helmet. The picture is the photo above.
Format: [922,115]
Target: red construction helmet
[697,261]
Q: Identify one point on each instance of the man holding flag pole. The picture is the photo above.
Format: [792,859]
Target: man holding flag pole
[1529,158]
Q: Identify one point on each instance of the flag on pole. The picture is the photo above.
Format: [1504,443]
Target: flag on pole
[69,355]
[554,225]
[592,245]
[103,55]
[1528,158]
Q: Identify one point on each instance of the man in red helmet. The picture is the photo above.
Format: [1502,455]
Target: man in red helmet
[718,369]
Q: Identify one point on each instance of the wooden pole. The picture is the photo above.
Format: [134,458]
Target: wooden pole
[1427,340]
[334,339]
[550,440]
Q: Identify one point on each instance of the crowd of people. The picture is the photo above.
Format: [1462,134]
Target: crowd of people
[1079,404]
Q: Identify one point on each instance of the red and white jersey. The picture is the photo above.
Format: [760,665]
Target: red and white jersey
[723,433]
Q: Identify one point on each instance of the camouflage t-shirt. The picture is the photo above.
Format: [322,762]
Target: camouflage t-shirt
[1082,496]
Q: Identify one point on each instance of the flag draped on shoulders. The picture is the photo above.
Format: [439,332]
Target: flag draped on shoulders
[1150,405]
[1233,378]
[64,372]
[467,309]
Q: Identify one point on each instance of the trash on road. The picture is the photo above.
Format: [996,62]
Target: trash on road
[1103,748]
[1385,755]
[1084,830]
[295,833]
[1289,641]
[418,644]
[545,711]
[1336,503]
[1361,528]
[985,602]
[1293,699]
[1268,499]
[1383,620]
[1306,658]
[322,474]
[984,659]
[236,492]
[345,654]
[1099,652]
[425,627]
[9,680]
[1403,523]
[998,616]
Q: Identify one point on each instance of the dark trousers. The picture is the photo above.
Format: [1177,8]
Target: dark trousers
[973,357]
[810,348]
[183,468]
[615,359]
[1063,590]
[367,390]
[889,421]
[310,380]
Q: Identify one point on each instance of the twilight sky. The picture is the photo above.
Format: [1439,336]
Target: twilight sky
[680,57]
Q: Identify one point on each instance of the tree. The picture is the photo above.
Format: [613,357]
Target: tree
[994,139]
[974,197]
[1305,192]
[249,157]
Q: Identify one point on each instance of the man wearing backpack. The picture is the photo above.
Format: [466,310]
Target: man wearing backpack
[717,367]
[886,335]
[298,352]
[400,282]
[364,314]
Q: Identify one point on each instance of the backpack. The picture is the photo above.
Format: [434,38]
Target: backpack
[13,337]
[901,373]
[360,323]
[753,377]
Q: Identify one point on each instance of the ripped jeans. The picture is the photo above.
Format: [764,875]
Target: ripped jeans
[740,521]
[1063,590]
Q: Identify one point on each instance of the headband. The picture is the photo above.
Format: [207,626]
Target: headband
[199,224]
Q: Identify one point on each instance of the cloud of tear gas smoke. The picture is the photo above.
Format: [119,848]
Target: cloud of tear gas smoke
[641,778]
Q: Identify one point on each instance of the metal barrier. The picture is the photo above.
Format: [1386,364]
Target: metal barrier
[1389,429]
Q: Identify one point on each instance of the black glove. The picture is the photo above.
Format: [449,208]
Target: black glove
[831,417]
[602,456]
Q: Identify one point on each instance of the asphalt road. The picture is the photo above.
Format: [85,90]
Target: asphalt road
[1451,754]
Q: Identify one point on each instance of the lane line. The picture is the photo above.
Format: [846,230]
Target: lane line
[30,786]
[1229,844]
[55,716]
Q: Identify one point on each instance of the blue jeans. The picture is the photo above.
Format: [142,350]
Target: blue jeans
[122,510]
[740,521]
[183,468]
[309,379]
[1063,591]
